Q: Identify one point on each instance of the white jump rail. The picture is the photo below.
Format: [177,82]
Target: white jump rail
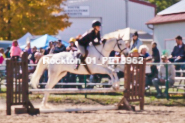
[73,91]
[79,109]
[78,84]
[75,84]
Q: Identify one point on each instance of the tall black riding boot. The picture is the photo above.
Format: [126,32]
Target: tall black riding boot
[78,64]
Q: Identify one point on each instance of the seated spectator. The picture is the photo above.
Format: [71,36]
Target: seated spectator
[143,51]
[7,52]
[155,53]
[59,47]
[178,53]
[161,80]
[15,50]
[150,76]
[72,46]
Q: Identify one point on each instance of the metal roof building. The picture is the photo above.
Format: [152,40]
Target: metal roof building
[168,24]
[112,14]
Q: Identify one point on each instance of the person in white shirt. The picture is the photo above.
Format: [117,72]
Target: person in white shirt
[161,80]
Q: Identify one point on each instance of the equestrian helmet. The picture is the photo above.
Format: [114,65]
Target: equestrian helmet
[96,23]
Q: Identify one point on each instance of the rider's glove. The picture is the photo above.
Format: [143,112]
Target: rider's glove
[103,41]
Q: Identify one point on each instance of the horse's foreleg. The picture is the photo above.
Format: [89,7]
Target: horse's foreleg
[52,81]
[112,78]
[115,77]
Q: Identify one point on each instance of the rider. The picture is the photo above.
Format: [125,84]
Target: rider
[93,35]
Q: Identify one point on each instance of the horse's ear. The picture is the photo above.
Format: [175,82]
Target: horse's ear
[122,36]
[119,37]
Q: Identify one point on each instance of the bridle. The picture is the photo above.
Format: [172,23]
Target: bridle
[117,43]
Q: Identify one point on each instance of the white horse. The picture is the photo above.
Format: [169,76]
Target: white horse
[57,71]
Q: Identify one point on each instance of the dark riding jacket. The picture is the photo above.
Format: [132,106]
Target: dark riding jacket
[88,37]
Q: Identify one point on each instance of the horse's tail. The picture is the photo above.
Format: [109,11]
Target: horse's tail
[38,72]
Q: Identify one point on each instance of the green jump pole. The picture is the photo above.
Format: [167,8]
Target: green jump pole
[167,83]
[85,84]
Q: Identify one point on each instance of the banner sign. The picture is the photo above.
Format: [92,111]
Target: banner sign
[77,10]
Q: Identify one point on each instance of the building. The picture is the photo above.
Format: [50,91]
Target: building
[112,14]
[168,24]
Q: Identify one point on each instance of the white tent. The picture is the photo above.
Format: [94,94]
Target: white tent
[126,34]
[23,39]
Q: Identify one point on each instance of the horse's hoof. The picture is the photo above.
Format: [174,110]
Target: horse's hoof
[116,86]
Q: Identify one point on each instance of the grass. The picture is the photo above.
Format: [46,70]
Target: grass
[175,100]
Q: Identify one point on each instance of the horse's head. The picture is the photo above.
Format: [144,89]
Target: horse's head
[117,44]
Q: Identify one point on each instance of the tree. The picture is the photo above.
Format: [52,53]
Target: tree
[35,16]
[162,4]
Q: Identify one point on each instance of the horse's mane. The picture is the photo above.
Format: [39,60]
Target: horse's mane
[115,34]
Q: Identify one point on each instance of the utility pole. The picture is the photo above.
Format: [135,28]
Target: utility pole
[126,13]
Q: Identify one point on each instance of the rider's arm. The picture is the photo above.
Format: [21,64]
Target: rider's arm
[99,39]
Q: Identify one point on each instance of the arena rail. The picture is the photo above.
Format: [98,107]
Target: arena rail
[73,91]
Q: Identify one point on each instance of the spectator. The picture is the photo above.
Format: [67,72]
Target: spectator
[48,49]
[2,51]
[161,80]
[42,51]
[70,77]
[155,53]
[136,43]
[134,53]
[143,50]
[28,48]
[127,43]
[59,47]
[178,53]
[7,53]
[37,57]
[112,53]
[153,68]
[1,57]
[15,50]
[150,76]
[34,50]
[119,73]
[72,46]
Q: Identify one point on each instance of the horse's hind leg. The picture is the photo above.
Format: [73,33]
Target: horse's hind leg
[52,81]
